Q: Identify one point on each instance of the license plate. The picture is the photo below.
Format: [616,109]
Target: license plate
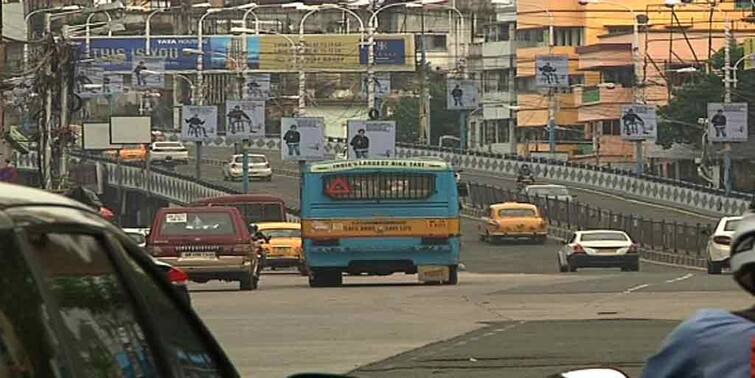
[433,273]
[198,255]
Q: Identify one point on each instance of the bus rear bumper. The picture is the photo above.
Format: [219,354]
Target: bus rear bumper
[384,262]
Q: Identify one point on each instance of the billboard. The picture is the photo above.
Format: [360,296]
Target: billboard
[96,137]
[131,130]
[257,87]
[88,80]
[727,122]
[112,84]
[322,52]
[199,123]
[552,71]
[461,94]
[749,53]
[382,85]
[371,139]
[303,138]
[638,122]
[245,119]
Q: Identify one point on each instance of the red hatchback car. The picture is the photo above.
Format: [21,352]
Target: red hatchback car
[208,243]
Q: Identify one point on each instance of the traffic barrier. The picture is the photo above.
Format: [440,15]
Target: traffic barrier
[659,240]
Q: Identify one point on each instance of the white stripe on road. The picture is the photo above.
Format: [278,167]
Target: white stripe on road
[635,288]
[682,278]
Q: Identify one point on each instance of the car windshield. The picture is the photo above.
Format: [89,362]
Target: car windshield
[137,237]
[197,223]
[274,233]
[731,225]
[252,159]
[549,191]
[169,145]
[516,213]
[603,236]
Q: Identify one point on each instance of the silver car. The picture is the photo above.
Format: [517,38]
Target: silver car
[258,165]
[598,249]
[558,192]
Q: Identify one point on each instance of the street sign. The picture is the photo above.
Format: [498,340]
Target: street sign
[96,137]
[727,122]
[244,119]
[303,138]
[552,71]
[638,122]
[147,72]
[338,187]
[131,130]
[461,95]
[257,87]
[371,139]
[199,123]
[382,85]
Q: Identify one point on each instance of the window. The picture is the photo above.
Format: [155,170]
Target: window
[530,37]
[611,127]
[497,33]
[198,223]
[190,353]
[100,325]
[743,4]
[731,225]
[282,233]
[603,236]
[568,36]
[261,212]
[623,76]
[431,42]
[381,186]
[25,344]
[496,81]
[517,213]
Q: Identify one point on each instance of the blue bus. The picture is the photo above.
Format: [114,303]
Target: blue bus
[380,217]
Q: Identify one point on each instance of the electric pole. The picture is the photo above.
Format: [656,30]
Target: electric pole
[424,104]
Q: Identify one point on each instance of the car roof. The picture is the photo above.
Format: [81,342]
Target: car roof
[250,155]
[513,205]
[283,225]
[198,209]
[731,218]
[588,232]
[168,142]
[17,195]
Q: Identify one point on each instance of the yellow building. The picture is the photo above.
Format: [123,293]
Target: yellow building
[598,39]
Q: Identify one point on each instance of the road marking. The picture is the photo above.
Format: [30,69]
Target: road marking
[635,288]
[486,334]
[681,278]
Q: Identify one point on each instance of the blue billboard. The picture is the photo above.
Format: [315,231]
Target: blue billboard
[387,52]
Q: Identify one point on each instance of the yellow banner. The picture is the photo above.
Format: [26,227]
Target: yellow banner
[342,228]
[335,52]
[339,166]
[749,48]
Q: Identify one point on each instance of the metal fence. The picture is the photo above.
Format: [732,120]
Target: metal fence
[679,238]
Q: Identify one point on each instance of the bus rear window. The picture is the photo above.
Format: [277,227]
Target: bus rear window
[379,186]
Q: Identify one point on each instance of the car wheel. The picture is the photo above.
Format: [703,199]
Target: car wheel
[714,267]
[561,268]
[325,279]
[303,270]
[269,178]
[248,282]
[453,275]
[483,238]
[571,267]
[541,239]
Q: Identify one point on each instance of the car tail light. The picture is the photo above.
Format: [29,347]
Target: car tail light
[267,165]
[177,276]
[578,249]
[633,248]
[723,240]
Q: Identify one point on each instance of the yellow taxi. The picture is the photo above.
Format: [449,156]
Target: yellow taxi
[513,220]
[129,154]
[284,249]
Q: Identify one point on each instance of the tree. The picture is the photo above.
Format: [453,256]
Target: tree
[678,121]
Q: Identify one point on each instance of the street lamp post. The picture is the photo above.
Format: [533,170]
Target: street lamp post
[27,18]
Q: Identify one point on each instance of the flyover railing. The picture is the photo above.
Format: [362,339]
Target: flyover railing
[673,242]
[648,187]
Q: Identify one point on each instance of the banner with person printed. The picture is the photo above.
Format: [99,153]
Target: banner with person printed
[244,119]
[303,138]
[371,139]
[638,122]
[199,123]
[727,122]
[552,71]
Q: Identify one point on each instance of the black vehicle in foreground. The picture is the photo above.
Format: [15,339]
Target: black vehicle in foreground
[80,299]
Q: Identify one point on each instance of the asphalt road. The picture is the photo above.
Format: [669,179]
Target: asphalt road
[511,315]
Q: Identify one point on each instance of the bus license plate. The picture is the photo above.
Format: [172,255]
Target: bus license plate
[432,273]
[198,255]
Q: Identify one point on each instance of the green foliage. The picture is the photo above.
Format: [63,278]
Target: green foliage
[678,121]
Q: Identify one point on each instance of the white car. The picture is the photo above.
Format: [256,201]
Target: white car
[719,243]
[259,168]
[558,192]
[168,152]
[138,235]
[598,249]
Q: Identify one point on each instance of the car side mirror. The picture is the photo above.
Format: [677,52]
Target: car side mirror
[462,189]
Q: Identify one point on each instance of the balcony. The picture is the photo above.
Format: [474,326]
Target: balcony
[601,103]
